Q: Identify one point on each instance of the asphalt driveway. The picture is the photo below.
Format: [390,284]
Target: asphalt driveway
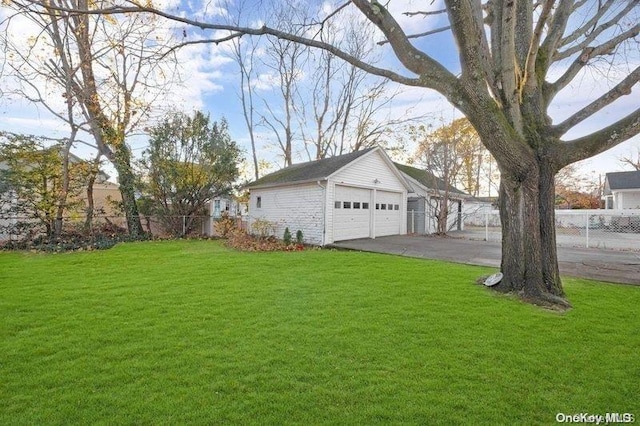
[605,265]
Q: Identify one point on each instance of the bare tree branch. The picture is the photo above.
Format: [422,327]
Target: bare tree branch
[424,34]
[264,30]
[586,56]
[629,160]
[632,32]
[530,62]
[591,23]
[556,28]
[425,13]
[621,89]
[431,72]
[600,141]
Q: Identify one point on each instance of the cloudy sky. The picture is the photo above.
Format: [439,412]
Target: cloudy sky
[210,82]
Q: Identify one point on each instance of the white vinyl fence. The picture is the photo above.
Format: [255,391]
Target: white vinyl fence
[608,229]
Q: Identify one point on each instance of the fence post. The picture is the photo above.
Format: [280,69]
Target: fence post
[587,228]
[184,225]
[486,225]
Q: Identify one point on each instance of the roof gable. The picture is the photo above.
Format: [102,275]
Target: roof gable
[309,171]
[623,180]
[426,179]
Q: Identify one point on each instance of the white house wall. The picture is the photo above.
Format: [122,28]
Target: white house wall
[369,171]
[298,207]
[627,199]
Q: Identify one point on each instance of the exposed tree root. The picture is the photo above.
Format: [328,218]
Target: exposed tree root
[543,299]
[547,300]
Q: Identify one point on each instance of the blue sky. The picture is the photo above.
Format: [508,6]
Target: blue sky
[211,83]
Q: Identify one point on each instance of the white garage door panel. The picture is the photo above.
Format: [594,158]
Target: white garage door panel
[352,220]
[388,219]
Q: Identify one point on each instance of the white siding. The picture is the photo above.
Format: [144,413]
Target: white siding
[627,200]
[370,170]
[298,207]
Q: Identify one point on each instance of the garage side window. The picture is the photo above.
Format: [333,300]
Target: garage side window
[258,202]
[337,204]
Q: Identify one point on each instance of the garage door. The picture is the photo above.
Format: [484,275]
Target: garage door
[388,214]
[351,213]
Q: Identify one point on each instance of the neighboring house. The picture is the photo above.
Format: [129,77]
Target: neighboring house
[105,195]
[224,205]
[7,199]
[423,201]
[356,195]
[228,205]
[622,190]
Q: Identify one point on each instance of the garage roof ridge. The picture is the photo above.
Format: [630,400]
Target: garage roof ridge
[310,170]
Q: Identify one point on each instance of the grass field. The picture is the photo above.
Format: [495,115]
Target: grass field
[191,332]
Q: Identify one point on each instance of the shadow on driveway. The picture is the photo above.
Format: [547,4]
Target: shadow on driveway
[597,264]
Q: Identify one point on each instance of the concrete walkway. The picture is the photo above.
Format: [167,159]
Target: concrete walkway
[598,264]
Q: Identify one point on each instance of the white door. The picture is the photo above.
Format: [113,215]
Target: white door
[351,213]
[388,213]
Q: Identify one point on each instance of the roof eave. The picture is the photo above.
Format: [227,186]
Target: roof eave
[290,183]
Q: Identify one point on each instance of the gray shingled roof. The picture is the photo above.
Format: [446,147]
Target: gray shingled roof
[427,179]
[624,180]
[312,170]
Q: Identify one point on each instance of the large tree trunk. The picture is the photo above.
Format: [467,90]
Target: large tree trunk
[126,180]
[529,255]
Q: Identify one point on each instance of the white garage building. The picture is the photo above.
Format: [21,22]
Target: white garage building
[356,195]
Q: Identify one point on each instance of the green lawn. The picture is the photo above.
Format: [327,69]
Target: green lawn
[192,332]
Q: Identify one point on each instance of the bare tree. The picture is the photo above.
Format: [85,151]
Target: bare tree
[346,100]
[245,55]
[109,72]
[631,159]
[575,190]
[246,93]
[286,59]
[444,153]
[504,81]
[29,68]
